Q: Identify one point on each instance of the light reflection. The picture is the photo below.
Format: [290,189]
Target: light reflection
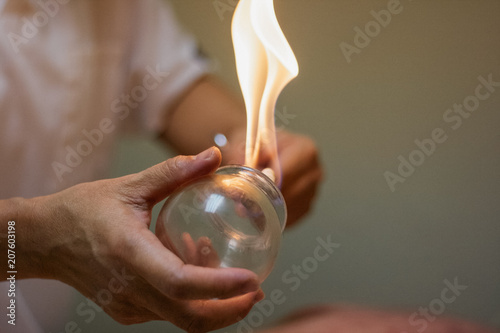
[213,202]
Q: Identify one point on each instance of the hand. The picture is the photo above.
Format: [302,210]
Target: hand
[301,173]
[298,163]
[95,237]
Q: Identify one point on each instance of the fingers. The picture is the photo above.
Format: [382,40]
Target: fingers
[302,174]
[167,273]
[128,312]
[299,159]
[197,299]
[299,196]
[204,315]
[190,255]
[215,314]
[207,256]
[201,253]
[156,183]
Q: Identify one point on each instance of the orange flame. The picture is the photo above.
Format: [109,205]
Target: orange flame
[265,64]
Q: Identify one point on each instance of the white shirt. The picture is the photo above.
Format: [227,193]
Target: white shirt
[73,75]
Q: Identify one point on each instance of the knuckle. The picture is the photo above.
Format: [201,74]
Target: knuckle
[177,287]
[122,246]
[174,170]
[177,163]
[168,168]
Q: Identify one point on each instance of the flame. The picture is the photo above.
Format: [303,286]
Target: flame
[265,64]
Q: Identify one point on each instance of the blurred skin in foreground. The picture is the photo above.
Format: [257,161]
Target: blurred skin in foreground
[332,319]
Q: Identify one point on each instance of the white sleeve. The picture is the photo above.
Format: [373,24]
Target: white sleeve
[165,61]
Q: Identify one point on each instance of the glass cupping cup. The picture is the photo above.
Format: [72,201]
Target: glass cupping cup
[231,218]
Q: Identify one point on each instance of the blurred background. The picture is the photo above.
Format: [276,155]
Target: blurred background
[365,107]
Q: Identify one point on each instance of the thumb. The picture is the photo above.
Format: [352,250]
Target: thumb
[156,183]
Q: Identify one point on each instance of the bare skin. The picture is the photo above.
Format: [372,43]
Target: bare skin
[333,319]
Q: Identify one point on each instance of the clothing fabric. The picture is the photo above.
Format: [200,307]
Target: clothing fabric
[73,75]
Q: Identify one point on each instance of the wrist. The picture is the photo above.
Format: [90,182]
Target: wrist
[29,244]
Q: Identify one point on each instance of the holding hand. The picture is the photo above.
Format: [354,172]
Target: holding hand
[95,237]
[301,171]
[298,163]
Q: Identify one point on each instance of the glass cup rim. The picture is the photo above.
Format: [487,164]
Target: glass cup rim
[269,188]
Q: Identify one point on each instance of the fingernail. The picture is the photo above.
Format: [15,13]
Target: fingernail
[206,154]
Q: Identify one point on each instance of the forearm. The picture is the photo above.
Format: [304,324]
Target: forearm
[208,108]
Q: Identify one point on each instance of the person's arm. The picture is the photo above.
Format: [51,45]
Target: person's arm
[206,109]
[209,108]
[95,237]
[17,228]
